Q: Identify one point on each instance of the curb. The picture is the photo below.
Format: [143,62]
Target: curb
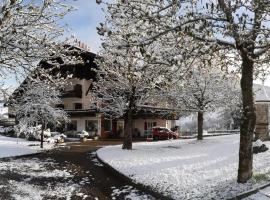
[28,155]
[215,135]
[142,187]
[209,135]
[22,156]
[250,192]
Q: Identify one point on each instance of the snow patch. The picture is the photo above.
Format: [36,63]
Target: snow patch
[33,170]
[129,193]
[187,169]
[23,190]
[16,147]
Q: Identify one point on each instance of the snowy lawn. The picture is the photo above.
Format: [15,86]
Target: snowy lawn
[15,146]
[188,169]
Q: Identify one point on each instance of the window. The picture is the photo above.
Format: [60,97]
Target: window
[164,130]
[72,91]
[91,126]
[77,106]
[107,125]
[72,126]
[77,87]
[149,125]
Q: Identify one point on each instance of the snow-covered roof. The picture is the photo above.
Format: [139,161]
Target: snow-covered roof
[262,93]
[83,70]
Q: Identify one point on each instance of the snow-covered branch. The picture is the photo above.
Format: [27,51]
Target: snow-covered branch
[29,33]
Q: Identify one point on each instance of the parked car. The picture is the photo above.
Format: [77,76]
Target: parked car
[162,133]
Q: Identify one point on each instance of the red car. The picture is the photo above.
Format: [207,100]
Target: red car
[162,133]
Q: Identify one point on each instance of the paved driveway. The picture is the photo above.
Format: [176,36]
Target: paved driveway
[71,173]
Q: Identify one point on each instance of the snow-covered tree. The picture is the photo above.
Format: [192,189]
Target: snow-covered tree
[207,88]
[128,74]
[221,119]
[36,106]
[29,32]
[239,28]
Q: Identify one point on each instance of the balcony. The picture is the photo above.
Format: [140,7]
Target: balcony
[82,112]
[75,93]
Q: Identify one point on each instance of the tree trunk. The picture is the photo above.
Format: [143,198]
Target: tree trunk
[127,143]
[248,121]
[42,136]
[200,125]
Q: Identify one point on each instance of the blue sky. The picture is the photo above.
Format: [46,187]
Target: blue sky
[84,20]
[82,23]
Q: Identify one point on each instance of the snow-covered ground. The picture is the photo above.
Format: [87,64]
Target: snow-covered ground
[62,176]
[263,194]
[15,146]
[29,186]
[188,169]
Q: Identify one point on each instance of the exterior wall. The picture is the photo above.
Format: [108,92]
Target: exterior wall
[81,122]
[69,102]
[139,124]
[262,121]
[120,127]
[85,100]
[170,124]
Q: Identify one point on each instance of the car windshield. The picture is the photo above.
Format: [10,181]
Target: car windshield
[163,129]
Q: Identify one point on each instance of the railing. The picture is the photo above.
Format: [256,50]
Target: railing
[7,122]
[224,131]
[80,110]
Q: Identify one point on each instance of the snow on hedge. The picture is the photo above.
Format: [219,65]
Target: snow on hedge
[16,147]
[187,169]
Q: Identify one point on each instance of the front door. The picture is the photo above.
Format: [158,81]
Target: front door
[120,129]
